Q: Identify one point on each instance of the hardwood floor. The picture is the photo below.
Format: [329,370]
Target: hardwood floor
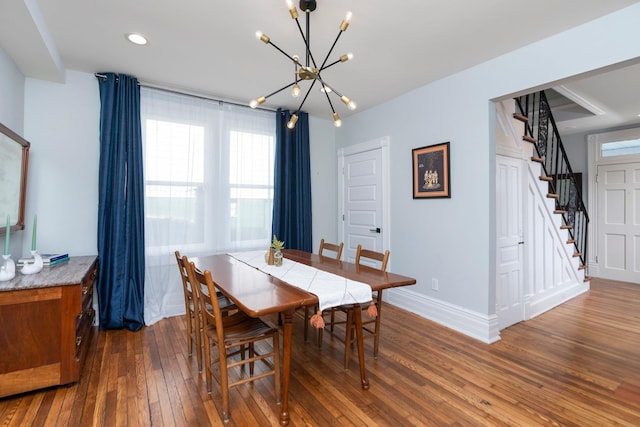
[576,365]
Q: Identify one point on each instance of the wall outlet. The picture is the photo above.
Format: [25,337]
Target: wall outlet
[434,284]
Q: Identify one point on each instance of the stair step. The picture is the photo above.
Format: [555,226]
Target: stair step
[546,178]
[560,212]
[529,139]
[571,241]
[565,227]
[537,159]
[553,196]
[577,254]
[582,267]
[587,278]
[520,117]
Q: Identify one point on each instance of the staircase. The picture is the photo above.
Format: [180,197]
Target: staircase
[553,228]
[541,131]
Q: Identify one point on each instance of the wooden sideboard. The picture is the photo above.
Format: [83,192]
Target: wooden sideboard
[46,323]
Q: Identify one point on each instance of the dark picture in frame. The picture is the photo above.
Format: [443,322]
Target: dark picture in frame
[431,177]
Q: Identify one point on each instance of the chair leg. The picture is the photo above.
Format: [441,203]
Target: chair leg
[198,333]
[189,332]
[224,382]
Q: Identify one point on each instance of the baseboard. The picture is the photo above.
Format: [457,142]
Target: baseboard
[476,325]
[538,305]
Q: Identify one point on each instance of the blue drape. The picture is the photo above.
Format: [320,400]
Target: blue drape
[292,183]
[120,205]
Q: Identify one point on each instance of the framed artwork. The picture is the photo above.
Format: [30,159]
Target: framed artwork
[431,177]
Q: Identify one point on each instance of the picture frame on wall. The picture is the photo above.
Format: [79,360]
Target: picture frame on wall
[431,172]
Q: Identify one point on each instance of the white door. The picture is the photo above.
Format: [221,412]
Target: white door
[619,221]
[363,202]
[509,241]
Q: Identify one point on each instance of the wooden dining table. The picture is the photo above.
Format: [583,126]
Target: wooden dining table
[259,294]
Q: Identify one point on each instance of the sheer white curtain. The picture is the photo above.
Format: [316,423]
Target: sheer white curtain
[208,170]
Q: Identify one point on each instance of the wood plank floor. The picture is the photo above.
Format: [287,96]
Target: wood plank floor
[576,365]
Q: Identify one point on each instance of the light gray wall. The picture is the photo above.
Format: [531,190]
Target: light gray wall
[11,94]
[453,240]
[324,181]
[62,124]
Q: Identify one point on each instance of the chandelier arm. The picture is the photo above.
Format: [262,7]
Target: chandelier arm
[329,101]
[324,67]
[283,52]
[331,50]
[282,88]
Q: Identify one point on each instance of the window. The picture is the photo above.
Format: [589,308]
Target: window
[620,148]
[208,172]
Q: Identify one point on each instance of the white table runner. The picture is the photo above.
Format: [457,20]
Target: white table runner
[332,290]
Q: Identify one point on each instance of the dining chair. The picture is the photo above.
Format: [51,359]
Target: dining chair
[233,335]
[192,310]
[371,326]
[309,311]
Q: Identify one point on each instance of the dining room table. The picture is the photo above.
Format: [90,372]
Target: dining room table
[259,294]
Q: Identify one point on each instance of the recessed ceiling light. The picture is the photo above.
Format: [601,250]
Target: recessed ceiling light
[136,38]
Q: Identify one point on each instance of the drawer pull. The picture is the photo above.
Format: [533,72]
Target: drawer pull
[85,290]
[78,341]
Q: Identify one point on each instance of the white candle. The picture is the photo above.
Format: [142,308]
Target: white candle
[7,237]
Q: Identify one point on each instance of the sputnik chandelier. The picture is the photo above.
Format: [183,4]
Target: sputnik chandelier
[310,70]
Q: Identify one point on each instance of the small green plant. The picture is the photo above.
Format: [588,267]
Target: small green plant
[276,244]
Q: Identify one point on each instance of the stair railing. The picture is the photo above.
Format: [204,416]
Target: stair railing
[541,130]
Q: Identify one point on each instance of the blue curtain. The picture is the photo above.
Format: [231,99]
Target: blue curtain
[120,205]
[292,183]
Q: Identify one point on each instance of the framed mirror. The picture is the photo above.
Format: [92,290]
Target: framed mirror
[14,161]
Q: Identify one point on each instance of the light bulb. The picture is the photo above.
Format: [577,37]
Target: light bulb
[345,24]
[263,37]
[292,122]
[336,120]
[325,89]
[255,102]
[346,57]
[296,91]
[348,102]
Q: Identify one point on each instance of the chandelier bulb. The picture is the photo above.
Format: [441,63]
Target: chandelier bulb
[262,37]
[346,57]
[348,102]
[296,90]
[292,122]
[345,24]
[292,10]
[255,102]
[336,120]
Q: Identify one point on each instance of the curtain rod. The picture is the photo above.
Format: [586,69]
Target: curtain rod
[193,94]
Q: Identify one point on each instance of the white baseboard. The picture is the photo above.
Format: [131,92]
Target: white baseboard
[537,306]
[476,325]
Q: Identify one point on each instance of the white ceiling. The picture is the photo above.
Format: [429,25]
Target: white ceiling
[208,47]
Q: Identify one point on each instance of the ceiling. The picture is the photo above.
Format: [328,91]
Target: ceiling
[208,47]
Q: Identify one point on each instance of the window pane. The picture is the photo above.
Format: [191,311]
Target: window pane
[621,148]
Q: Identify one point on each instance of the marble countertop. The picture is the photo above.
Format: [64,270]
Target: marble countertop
[66,273]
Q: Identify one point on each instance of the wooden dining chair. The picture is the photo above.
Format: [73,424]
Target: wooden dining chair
[337,249]
[371,326]
[192,309]
[228,339]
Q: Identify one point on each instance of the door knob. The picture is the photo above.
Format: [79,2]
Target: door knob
[375,230]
